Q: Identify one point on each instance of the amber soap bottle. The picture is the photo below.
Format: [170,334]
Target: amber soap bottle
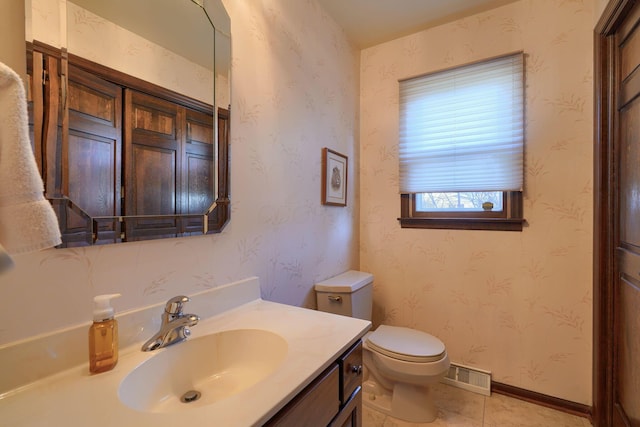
[103,335]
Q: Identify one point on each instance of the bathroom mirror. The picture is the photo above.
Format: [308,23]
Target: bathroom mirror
[142,144]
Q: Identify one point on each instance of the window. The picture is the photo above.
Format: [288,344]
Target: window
[461,146]
[459,201]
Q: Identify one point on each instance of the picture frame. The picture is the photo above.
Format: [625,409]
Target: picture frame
[334,178]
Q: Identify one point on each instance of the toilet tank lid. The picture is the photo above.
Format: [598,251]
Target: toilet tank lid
[349,281]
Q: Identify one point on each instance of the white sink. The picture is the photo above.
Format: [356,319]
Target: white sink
[202,371]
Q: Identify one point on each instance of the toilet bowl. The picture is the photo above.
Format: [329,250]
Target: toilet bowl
[400,364]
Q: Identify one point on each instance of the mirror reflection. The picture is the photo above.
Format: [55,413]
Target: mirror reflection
[138,153]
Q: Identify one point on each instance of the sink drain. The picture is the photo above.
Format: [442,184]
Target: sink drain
[190,396]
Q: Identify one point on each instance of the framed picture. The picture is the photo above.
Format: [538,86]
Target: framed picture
[334,178]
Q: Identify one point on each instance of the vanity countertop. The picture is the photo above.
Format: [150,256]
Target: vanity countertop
[74,398]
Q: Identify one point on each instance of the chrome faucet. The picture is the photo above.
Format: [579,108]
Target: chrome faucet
[175,325]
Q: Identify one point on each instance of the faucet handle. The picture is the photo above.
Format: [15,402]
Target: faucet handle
[175,304]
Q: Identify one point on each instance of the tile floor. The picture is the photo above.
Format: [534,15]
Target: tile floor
[461,408]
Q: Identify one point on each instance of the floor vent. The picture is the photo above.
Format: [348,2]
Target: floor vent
[471,379]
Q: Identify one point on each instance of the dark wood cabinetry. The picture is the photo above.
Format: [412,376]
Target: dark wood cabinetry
[122,159]
[333,399]
[168,164]
[350,365]
[92,156]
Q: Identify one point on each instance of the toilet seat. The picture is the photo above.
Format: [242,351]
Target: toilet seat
[406,344]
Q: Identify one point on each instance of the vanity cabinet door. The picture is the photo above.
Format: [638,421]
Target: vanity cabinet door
[351,414]
[316,405]
[333,399]
[350,363]
[351,371]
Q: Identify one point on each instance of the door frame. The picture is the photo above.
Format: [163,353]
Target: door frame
[605,193]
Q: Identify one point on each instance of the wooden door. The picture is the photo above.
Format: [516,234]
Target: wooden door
[91,158]
[626,380]
[617,217]
[198,169]
[152,165]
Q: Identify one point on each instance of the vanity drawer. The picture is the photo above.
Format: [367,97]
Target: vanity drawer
[316,405]
[351,368]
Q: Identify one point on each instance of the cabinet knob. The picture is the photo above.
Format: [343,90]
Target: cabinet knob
[356,369]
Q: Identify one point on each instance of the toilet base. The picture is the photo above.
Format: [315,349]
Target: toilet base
[406,402]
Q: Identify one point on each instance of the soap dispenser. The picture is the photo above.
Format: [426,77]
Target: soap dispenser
[103,335]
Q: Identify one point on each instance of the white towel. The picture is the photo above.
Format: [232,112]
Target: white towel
[27,220]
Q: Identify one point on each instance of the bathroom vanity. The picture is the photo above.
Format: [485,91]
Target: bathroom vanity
[255,362]
[334,398]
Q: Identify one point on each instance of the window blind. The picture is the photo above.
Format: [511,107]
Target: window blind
[463,129]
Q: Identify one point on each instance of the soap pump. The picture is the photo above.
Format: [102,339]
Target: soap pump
[103,335]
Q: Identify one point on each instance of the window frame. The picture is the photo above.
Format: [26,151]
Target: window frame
[509,219]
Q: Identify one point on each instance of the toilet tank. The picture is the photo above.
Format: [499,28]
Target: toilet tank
[348,294]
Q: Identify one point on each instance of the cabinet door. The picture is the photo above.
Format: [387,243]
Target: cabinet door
[316,405]
[198,167]
[152,163]
[351,375]
[93,152]
[351,414]
[92,156]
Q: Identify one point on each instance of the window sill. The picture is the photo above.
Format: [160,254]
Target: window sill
[494,224]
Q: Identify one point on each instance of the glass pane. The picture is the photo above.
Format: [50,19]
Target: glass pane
[458,202]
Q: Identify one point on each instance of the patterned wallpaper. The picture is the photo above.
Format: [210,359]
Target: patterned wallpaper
[517,304]
[295,90]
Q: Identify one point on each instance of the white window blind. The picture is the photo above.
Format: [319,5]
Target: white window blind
[463,129]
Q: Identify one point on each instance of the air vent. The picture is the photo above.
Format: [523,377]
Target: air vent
[471,379]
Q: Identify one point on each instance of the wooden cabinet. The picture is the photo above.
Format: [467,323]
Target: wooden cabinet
[168,165]
[91,157]
[316,405]
[333,399]
[122,159]
[351,413]
[350,365]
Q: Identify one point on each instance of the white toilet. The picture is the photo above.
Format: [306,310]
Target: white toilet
[400,363]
